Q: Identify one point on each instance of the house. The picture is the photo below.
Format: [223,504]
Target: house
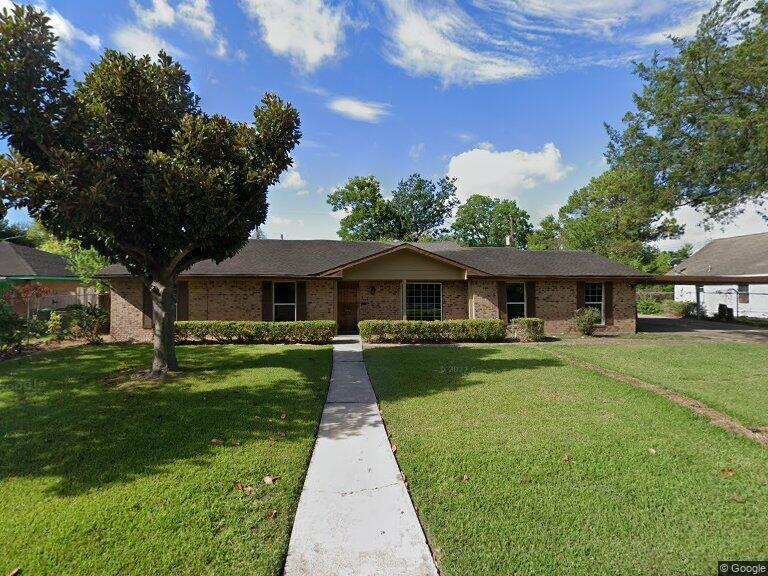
[287,280]
[730,271]
[21,265]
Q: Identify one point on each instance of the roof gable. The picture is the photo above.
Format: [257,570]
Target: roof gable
[23,261]
[735,256]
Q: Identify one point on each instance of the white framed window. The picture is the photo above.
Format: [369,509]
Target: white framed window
[424,301]
[743,293]
[594,297]
[516,307]
[284,301]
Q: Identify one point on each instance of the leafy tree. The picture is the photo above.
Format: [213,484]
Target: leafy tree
[699,123]
[486,221]
[125,161]
[547,235]
[417,210]
[14,233]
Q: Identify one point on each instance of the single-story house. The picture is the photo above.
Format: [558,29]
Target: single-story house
[288,280]
[24,265]
[729,271]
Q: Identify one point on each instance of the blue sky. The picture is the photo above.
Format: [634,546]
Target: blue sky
[509,96]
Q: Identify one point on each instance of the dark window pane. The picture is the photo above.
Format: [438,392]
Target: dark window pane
[285,293]
[285,312]
[516,311]
[423,301]
[593,293]
[516,292]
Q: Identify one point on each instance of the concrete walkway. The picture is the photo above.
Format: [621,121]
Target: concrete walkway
[355,516]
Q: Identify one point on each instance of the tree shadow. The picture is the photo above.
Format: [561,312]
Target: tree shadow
[59,418]
[413,372]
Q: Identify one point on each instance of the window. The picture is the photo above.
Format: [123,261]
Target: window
[743,293]
[593,298]
[516,301]
[284,298]
[424,301]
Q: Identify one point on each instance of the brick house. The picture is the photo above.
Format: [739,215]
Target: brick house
[287,280]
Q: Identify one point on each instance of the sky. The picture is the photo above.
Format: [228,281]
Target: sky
[508,96]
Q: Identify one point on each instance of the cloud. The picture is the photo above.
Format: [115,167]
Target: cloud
[442,41]
[362,110]
[698,234]
[195,16]
[307,32]
[683,29]
[138,41]
[292,180]
[414,153]
[302,193]
[505,174]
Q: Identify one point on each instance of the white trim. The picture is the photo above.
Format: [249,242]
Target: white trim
[524,302]
[295,301]
[407,283]
[602,300]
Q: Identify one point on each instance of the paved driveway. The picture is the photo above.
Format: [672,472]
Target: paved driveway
[707,329]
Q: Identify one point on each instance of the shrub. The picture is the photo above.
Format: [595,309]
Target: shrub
[87,321]
[411,331]
[55,326]
[528,329]
[249,332]
[586,320]
[680,309]
[649,306]
[13,329]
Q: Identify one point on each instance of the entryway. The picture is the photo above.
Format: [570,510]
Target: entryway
[347,307]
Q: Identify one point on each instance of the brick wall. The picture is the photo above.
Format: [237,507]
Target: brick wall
[484,296]
[321,300]
[225,299]
[385,304]
[455,300]
[126,319]
[624,307]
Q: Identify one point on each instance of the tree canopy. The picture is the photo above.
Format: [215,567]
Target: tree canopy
[486,221]
[417,209]
[124,161]
[700,118]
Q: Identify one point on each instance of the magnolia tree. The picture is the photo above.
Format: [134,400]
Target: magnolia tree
[124,161]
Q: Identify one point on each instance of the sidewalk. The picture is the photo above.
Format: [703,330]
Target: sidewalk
[355,516]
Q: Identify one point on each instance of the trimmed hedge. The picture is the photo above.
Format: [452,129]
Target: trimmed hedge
[247,332]
[413,331]
[528,329]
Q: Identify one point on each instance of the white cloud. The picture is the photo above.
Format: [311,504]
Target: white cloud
[308,32]
[292,179]
[140,41]
[442,41]
[505,173]
[160,14]
[414,153]
[362,110]
[302,193]
[683,29]
[696,233]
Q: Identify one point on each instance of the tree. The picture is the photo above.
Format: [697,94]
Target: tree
[125,162]
[547,235]
[699,124]
[14,233]
[418,208]
[486,221]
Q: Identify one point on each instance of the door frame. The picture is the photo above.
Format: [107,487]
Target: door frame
[340,286]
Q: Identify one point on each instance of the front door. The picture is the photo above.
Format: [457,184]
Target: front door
[347,294]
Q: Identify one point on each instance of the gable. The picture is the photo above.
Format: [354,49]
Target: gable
[404,264]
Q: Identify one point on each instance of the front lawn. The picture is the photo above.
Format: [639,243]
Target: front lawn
[111,476]
[522,464]
[731,378]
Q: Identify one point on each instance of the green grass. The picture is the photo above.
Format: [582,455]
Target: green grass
[732,378]
[505,416]
[97,478]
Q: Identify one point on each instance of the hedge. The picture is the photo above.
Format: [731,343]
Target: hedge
[247,332]
[528,329]
[412,331]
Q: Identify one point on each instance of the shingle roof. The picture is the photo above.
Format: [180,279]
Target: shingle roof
[304,258]
[18,260]
[736,256]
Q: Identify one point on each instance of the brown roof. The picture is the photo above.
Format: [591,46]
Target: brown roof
[16,260]
[306,258]
[736,256]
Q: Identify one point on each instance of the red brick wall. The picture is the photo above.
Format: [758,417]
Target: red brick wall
[384,304]
[455,300]
[125,303]
[484,298]
[321,300]
[225,299]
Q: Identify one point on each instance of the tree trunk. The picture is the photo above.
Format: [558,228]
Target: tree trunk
[163,319]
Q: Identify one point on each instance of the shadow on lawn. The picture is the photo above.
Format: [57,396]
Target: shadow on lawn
[420,371]
[59,419]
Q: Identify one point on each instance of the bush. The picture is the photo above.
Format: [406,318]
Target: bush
[248,332]
[87,322]
[649,306]
[680,309]
[411,331]
[528,329]
[55,326]
[13,329]
[586,320]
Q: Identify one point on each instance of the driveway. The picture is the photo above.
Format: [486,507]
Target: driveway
[707,329]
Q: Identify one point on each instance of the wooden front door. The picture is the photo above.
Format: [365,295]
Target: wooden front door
[347,305]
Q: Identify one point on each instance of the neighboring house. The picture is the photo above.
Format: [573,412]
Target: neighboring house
[739,265]
[22,265]
[286,280]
